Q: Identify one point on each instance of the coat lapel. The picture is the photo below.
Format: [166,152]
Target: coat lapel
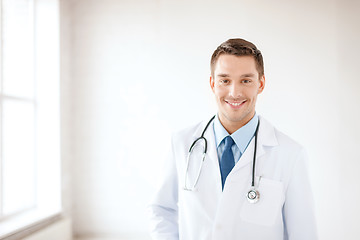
[212,158]
[211,170]
[266,138]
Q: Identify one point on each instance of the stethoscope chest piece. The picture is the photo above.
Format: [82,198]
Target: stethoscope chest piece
[253,196]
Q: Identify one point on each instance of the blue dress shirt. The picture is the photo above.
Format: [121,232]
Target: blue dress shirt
[242,137]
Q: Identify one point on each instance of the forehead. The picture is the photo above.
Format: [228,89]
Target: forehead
[235,65]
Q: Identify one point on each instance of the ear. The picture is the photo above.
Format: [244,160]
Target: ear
[212,83]
[262,84]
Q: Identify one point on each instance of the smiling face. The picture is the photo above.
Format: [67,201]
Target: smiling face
[236,84]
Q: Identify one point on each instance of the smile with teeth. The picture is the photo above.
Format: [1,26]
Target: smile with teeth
[235,104]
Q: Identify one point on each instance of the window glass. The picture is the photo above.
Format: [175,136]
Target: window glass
[18,156]
[18,48]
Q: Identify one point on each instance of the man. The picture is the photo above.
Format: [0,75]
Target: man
[252,183]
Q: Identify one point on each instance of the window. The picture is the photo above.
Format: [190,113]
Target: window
[18,107]
[29,113]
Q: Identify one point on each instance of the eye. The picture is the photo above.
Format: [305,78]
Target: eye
[246,81]
[224,81]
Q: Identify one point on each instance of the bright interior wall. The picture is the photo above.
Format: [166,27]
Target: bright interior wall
[348,97]
[140,69]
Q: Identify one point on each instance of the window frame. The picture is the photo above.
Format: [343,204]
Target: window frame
[47,123]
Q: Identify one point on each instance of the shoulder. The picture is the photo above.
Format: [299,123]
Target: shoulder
[282,151]
[285,140]
[189,130]
[186,136]
[279,138]
[194,129]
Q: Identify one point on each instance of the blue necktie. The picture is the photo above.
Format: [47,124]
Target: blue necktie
[227,160]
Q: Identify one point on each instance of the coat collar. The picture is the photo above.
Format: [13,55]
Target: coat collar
[266,138]
[266,135]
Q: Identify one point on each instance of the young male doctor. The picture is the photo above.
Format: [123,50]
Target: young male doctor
[252,183]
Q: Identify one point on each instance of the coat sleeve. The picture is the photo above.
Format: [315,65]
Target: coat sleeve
[164,206]
[298,212]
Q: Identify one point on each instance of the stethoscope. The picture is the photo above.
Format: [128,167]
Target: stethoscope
[252,195]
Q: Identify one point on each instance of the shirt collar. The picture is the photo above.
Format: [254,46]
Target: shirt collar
[241,137]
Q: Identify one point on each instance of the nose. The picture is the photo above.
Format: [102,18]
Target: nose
[235,90]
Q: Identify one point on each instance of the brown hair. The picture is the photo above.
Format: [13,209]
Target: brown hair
[238,47]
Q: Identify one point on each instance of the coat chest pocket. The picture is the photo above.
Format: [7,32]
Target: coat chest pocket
[269,206]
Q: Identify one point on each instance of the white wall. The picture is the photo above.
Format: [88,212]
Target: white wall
[349,130]
[66,109]
[139,70]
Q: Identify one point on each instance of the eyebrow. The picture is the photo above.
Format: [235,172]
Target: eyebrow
[242,76]
[223,75]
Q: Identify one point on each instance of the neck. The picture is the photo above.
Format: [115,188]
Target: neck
[233,126]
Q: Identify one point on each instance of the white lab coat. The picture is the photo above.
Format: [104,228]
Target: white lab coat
[285,208]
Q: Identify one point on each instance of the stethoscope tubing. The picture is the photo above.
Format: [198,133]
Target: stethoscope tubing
[253,192]
[203,156]
[202,137]
[254,157]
